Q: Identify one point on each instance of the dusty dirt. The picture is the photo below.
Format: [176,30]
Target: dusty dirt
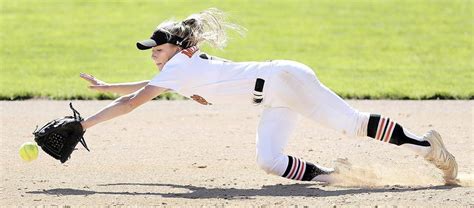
[179,153]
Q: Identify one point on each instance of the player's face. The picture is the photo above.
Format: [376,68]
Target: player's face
[163,53]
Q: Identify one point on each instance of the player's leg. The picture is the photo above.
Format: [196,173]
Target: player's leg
[320,104]
[274,130]
[301,90]
[387,130]
[381,128]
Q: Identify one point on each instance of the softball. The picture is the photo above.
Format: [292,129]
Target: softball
[29,151]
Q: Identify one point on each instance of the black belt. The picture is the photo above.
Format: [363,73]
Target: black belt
[258,91]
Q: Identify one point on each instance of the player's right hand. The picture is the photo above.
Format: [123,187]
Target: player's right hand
[95,83]
[200,100]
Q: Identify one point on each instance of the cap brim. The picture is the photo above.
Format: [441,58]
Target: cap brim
[146,44]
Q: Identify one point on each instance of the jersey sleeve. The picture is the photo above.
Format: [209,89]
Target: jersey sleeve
[172,75]
[166,79]
[169,77]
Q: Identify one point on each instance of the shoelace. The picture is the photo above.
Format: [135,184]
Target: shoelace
[443,162]
[447,160]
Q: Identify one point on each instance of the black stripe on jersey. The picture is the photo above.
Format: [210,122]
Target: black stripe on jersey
[257,101]
[204,56]
[288,168]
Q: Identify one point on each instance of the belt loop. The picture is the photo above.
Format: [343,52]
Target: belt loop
[258,91]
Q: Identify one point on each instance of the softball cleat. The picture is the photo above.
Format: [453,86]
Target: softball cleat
[441,158]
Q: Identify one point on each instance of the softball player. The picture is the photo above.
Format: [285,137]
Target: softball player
[285,90]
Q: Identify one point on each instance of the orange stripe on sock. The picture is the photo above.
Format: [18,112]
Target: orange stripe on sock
[380,128]
[293,167]
[388,134]
[300,176]
[296,169]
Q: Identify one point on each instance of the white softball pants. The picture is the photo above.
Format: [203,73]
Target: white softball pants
[293,89]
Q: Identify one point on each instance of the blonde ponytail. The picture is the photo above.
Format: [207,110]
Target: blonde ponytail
[209,26]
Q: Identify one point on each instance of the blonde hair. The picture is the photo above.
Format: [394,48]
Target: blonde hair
[209,26]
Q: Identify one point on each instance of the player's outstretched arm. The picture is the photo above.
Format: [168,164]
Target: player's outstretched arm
[123,105]
[119,88]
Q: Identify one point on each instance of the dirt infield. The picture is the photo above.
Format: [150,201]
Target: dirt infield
[179,153]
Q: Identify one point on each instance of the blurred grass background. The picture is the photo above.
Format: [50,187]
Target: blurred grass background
[387,49]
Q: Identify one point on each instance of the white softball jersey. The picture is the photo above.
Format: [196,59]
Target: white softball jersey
[191,72]
[291,89]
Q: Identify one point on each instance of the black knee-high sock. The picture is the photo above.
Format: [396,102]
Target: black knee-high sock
[298,169]
[386,130]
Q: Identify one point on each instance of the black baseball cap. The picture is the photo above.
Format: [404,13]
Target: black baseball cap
[160,37]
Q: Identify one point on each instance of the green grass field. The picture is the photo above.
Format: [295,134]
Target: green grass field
[403,49]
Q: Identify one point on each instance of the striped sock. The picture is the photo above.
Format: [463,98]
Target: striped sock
[386,130]
[298,169]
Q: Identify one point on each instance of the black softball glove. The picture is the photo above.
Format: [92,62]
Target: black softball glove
[59,137]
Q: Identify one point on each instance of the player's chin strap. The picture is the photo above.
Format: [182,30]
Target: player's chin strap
[77,117]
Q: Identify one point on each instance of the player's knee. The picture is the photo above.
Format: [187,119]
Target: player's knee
[267,162]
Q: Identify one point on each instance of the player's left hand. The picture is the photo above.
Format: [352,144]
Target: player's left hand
[95,83]
[59,137]
[200,100]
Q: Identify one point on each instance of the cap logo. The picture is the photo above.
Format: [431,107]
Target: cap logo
[161,37]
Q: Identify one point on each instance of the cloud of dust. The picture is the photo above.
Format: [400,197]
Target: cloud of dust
[377,175]
[466,179]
